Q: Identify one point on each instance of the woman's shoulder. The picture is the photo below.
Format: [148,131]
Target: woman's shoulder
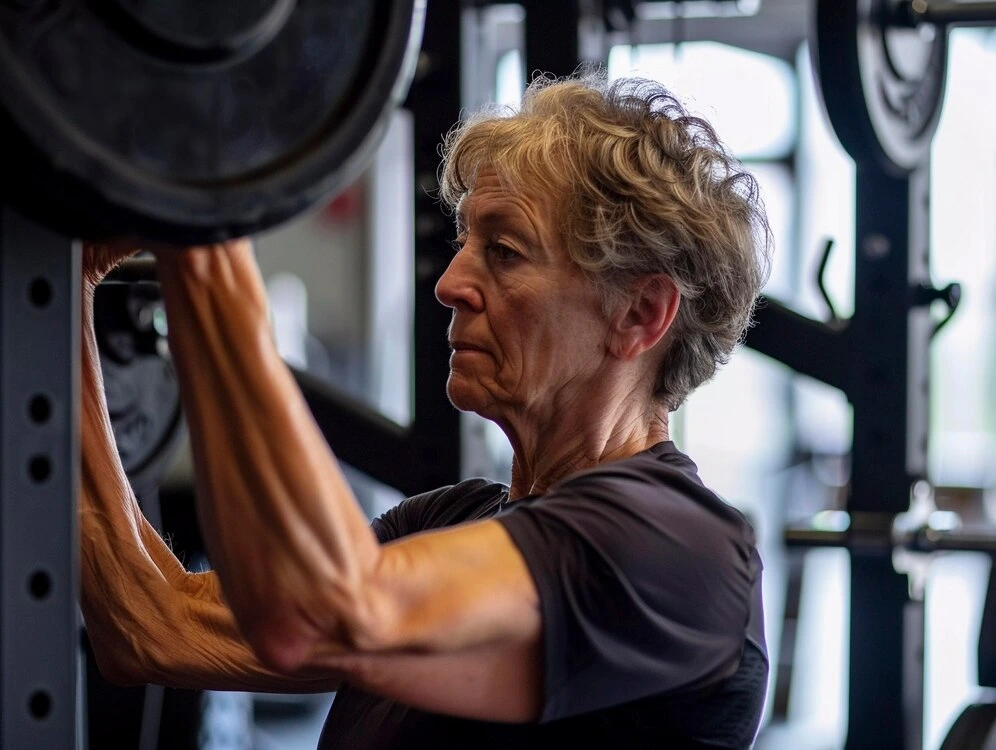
[661,486]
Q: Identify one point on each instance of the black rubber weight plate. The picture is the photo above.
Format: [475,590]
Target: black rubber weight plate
[111,128]
[143,395]
[882,85]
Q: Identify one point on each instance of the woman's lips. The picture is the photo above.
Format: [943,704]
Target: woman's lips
[466,346]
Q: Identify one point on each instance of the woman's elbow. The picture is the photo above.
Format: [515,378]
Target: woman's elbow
[284,642]
[283,647]
[122,676]
[119,663]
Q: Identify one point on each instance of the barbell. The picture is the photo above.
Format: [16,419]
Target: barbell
[191,122]
[881,68]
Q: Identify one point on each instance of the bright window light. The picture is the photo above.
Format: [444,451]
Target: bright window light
[748,97]
[696,9]
[511,79]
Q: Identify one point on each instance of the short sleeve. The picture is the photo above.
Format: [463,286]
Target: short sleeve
[645,587]
[469,500]
[402,519]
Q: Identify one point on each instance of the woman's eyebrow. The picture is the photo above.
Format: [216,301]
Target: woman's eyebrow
[513,220]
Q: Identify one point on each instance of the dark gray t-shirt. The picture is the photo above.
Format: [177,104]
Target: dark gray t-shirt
[650,590]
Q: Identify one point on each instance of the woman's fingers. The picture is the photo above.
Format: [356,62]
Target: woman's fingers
[99,259]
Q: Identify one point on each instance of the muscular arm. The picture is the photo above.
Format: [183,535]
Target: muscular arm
[446,621]
[149,619]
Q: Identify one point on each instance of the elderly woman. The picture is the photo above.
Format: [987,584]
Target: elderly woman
[609,251]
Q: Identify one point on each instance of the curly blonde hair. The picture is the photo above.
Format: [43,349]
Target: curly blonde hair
[643,187]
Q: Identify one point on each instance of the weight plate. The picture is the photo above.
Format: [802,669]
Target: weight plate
[143,396]
[882,84]
[194,121]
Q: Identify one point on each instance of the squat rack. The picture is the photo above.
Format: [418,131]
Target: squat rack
[40,278]
[39,470]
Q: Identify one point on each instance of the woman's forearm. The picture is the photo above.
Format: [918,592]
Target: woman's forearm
[128,596]
[291,546]
[148,619]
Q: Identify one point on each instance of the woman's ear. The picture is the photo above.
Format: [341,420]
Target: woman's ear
[644,317]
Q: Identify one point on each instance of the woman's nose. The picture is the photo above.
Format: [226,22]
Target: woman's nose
[459,285]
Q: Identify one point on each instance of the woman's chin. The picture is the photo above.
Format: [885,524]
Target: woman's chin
[466,395]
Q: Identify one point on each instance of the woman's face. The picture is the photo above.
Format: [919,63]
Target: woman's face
[528,334]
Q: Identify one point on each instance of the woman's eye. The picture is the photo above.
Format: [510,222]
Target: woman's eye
[502,252]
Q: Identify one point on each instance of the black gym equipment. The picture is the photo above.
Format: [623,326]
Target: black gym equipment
[987,637]
[143,396]
[39,460]
[191,122]
[882,84]
[881,67]
[971,13]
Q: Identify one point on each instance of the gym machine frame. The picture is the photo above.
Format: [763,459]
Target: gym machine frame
[39,472]
[880,359]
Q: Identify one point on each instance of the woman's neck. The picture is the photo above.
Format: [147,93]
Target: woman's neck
[550,452]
